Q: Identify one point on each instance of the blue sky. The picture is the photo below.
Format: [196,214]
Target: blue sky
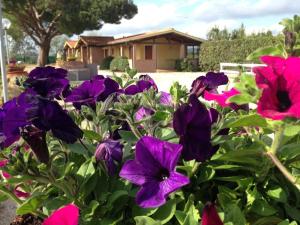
[196,17]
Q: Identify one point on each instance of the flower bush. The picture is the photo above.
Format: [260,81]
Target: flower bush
[117,151]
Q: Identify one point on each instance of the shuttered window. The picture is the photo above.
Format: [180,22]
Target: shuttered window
[148,52]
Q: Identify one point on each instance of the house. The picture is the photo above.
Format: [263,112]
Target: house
[146,52]
[69,48]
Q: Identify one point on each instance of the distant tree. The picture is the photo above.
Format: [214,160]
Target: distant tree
[216,34]
[57,44]
[42,20]
[238,33]
[291,32]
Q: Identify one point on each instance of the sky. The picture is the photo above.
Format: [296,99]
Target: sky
[197,17]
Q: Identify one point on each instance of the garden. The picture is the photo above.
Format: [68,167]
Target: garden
[116,150]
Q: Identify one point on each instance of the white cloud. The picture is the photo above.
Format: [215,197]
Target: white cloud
[197,17]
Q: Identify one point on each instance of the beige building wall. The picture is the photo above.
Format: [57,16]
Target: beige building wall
[167,56]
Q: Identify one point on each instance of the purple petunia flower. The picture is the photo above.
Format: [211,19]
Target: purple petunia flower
[91,91]
[144,83]
[154,170]
[142,113]
[192,122]
[15,115]
[209,82]
[110,151]
[48,81]
[165,99]
[49,115]
[86,93]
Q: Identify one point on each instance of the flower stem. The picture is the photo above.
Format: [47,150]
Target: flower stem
[272,155]
[10,195]
[283,169]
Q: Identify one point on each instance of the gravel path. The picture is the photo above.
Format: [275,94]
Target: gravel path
[7,212]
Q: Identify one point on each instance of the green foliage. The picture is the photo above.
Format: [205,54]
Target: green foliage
[186,65]
[212,53]
[105,64]
[119,64]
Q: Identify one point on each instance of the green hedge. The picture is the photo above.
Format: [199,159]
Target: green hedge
[212,53]
[105,64]
[186,65]
[119,64]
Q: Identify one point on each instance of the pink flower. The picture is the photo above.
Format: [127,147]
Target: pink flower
[68,215]
[2,164]
[280,83]
[210,215]
[19,193]
[222,99]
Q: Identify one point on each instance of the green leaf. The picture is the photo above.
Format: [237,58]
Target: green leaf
[138,211]
[86,170]
[241,99]
[88,213]
[278,50]
[293,212]
[77,148]
[144,220]
[160,116]
[128,136]
[234,214]
[205,174]
[291,130]
[92,135]
[31,204]
[246,120]
[278,194]
[263,208]
[268,221]
[165,213]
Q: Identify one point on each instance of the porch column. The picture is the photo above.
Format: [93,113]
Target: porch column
[182,54]
[155,55]
[81,54]
[121,51]
[133,55]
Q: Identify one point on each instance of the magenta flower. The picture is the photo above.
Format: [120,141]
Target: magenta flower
[222,99]
[209,82]
[154,170]
[68,215]
[192,122]
[142,113]
[280,84]
[20,193]
[3,163]
[111,152]
[146,77]
[210,215]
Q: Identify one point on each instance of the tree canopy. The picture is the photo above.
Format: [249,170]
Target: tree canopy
[44,19]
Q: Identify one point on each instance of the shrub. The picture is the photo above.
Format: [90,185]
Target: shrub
[186,65]
[212,53]
[119,64]
[105,64]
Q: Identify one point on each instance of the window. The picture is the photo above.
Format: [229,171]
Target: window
[148,52]
[192,51]
[105,52]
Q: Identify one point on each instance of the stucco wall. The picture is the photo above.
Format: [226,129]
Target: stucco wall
[167,55]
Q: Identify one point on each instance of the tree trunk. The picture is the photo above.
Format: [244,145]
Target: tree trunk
[43,53]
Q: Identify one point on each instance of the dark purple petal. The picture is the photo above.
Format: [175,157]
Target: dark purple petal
[192,122]
[146,77]
[36,139]
[144,85]
[150,196]
[86,94]
[110,151]
[50,116]
[48,72]
[111,87]
[132,90]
